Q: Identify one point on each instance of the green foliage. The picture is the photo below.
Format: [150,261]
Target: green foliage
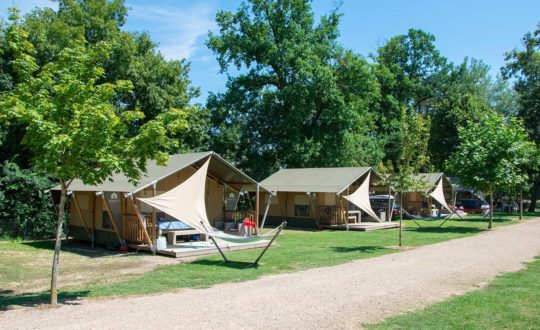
[493,153]
[524,65]
[158,85]
[25,209]
[298,99]
[411,73]
[413,154]
[71,124]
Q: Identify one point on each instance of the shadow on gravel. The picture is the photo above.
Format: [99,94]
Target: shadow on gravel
[9,299]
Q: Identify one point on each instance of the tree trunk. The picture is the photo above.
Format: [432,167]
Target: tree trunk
[534,194]
[58,242]
[400,216]
[491,209]
[521,204]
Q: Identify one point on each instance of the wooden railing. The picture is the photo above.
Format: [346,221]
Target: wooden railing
[240,215]
[330,215]
[415,207]
[133,231]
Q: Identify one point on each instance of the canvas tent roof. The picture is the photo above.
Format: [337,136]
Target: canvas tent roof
[431,179]
[330,179]
[218,167]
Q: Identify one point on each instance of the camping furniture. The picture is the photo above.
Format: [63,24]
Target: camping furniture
[192,211]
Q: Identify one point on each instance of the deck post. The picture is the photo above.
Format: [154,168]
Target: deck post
[79,212]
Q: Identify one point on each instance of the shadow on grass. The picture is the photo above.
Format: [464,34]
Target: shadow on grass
[448,230]
[486,220]
[220,263]
[76,247]
[10,299]
[361,249]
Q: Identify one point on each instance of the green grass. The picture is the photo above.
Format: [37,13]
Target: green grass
[511,301]
[296,250]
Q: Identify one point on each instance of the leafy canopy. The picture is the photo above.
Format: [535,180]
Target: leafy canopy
[71,125]
[493,153]
[295,98]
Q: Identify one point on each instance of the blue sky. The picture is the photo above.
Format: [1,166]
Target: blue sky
[483,29]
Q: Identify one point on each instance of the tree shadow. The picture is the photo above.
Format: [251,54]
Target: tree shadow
[449,229]
[486,220]
[9,299]
[361,249]
[220,263]
[76,247]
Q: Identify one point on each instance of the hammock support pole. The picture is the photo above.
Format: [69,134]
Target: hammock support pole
[283,224]
[219,249]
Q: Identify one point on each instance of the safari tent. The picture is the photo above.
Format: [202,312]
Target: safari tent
[112,212]
[436,191]
[322,197]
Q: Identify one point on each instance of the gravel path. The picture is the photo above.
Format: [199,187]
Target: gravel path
[342,296]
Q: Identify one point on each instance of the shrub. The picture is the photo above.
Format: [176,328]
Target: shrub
[25,208]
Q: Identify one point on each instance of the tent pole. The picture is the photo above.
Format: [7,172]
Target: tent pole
[257,209]
[93,219]
[154,217]
[265,213]
[141,223]
[283,224]
[78,209]
[111,216]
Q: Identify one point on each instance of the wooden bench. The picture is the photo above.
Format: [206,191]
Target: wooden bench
[171,235]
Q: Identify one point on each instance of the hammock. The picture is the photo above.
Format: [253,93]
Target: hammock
[187,202]
[415,217]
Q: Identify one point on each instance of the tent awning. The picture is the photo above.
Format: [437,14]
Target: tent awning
[360,198]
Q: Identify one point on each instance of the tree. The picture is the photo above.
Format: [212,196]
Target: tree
[492,154]
[464,97]
[524,66]
[296,98]
[412,158]
[158,84]
[71,125]
[411,73]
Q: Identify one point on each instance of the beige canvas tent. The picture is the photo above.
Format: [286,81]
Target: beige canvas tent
[112,212]
[437,191]
[317,197]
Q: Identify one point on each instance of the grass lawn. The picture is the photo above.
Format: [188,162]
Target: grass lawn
[511,301]
[296,250]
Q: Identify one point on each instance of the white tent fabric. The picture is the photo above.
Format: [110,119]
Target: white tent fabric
[186,202]
[360,198]
[438,195]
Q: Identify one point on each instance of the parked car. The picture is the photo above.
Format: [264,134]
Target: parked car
[380,202]
[472,205]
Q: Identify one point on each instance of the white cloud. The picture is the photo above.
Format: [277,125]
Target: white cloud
[179,31]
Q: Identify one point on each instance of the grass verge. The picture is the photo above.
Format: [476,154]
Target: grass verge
[511,301]
[297,250]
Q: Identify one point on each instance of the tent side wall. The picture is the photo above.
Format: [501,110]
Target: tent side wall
[300,212]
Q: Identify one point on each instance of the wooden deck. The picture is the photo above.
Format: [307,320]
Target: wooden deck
[195,249]
[365,226]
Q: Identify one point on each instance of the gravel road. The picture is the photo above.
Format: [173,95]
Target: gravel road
[337,297]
